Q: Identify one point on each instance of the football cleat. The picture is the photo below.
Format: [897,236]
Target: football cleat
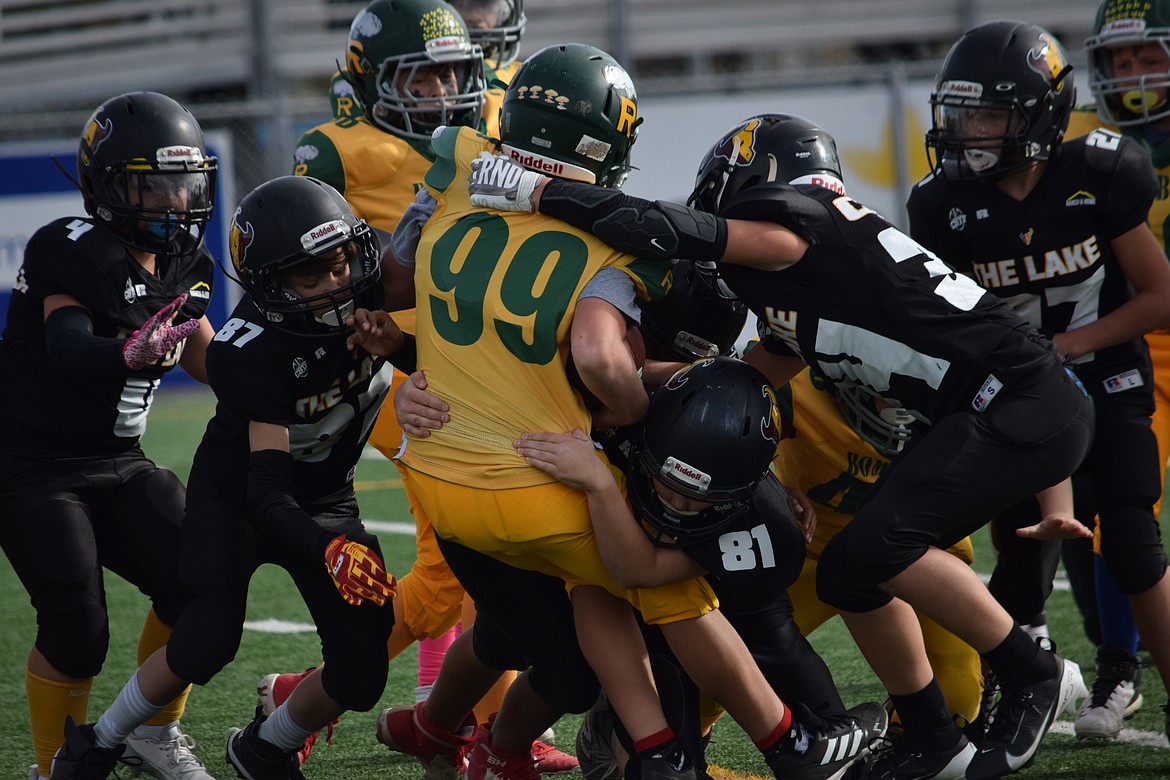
[255,759]
[80,758]
[1116,695]
[816,749]
[484,764]
[905,759]
[595,743]
[166,756]
[273,690]
[550,761]
[1022,717]
[443,754]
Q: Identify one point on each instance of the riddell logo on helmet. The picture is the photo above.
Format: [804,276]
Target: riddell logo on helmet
[687,474]
[537,163]
[324,234]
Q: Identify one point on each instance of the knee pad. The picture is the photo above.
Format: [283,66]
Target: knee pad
[1134,554]
[206,638]
[356,686]
[74,637]
[565,681]
[836,585]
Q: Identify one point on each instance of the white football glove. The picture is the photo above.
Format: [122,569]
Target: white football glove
[498,183]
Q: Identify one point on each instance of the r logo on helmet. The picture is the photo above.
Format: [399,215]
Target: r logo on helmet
[738,147]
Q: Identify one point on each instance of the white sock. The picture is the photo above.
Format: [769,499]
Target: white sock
[129,710]
[281,730]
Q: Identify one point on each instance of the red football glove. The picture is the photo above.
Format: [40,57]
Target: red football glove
[157,336]
[358,573]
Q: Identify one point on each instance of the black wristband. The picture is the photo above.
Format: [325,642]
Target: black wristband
[406,358]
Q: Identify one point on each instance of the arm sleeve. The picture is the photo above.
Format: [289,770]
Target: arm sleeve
[274,508]
[651,229]
[406,358]
[75,352]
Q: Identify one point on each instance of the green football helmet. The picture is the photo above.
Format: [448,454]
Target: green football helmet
[571,112]
[390,42]
[496,25]
[1133,99]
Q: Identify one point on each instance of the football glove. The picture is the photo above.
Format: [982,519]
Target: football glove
[157,336]
[498,183]
[358,573]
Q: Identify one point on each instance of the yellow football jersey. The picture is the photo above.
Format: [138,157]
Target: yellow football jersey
[495,294]
[378,173]
[829,461]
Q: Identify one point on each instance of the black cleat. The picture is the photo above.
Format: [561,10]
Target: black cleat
[1022,717]
[80,758]
[908,760]
[816,749]
[255,759]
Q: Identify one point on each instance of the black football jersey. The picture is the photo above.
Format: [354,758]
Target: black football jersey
[1049,256]
[325,395]
[868,306]
[47,415]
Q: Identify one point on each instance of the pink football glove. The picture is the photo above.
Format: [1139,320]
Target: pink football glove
[157,336]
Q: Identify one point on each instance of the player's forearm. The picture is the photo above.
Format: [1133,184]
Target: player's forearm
[1141,314]
[628,554]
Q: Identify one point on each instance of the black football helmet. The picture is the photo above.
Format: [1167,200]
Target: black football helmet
[389,42]
[1121,99]
[699,317]
[571,112]
[496,26]
[144,173]
[765,150]
[1001,101]
[710,434]
[292,219]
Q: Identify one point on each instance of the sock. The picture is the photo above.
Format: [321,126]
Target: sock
[430,656]
[671,751]
[656,740]
[155,635]
[925,716]
[49,701]
[1017,660]
[778,733]
[494,698]
[1117,626]
[281,730]
[129,710]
